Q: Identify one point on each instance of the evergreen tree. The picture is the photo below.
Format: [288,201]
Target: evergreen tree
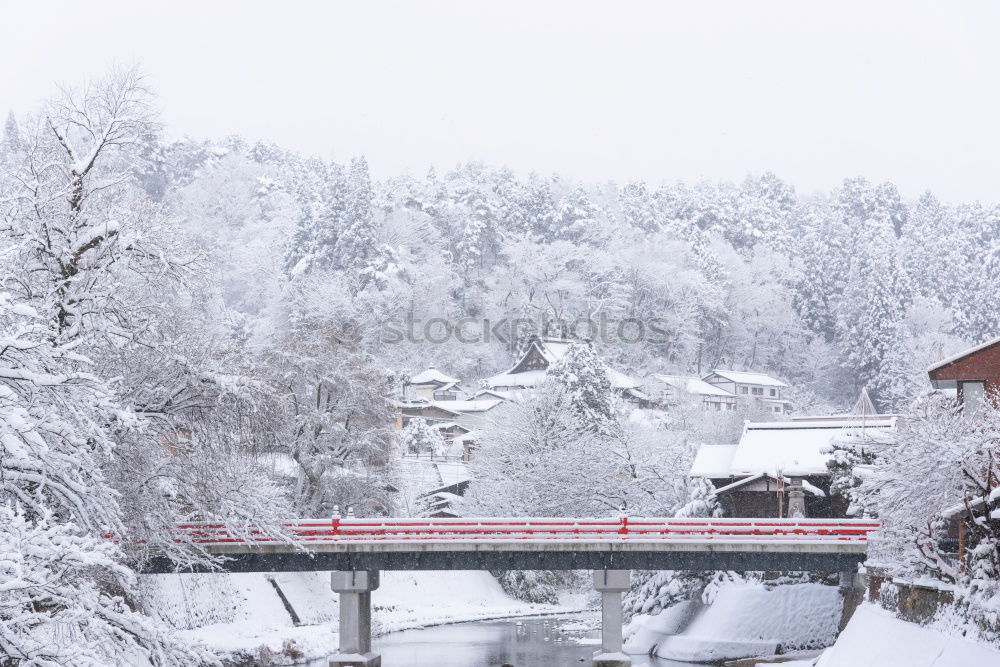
[358,242]
[872,308]
[637,206]
[975,273]
[321,193]
[931,240]
[11,139]
[539,206]
[577,216]
[583,376]
[476,236]
[825,258]
[767,207]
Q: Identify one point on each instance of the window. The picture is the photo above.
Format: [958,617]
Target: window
[758,391]
[772,392]
[973,395]
[743,390]
[777,408]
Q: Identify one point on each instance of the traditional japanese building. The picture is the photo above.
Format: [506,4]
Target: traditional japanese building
[423,385]
[752,390]
[531,369]
[779,469]
[669,390]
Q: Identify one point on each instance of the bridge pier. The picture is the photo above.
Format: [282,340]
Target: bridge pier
[853,589]
[611,584]
[355,591]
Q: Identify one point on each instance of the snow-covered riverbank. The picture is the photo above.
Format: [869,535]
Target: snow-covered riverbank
[244,617]
[876,637]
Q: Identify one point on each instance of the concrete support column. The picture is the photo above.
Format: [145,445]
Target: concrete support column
[355,591]
[853,590]
[611,584]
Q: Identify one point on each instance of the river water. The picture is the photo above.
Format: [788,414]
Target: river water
[550,641]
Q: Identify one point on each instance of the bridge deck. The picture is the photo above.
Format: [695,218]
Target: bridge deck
[626,543]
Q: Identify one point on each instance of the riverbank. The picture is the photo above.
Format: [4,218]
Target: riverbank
[877,637]
[291,618]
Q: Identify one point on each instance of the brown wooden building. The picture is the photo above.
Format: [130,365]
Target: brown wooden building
[974,374]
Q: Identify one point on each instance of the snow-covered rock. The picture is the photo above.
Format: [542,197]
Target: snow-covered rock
[749,620]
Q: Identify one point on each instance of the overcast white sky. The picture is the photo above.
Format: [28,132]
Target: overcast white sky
[906,91]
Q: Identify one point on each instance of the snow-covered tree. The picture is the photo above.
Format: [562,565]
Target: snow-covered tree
[583,376]
[701,500]
[421,439]
[70,217]
[332,418]
[577,216]
[909,476]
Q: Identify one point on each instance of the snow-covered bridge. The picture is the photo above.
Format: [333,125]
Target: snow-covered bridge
[357,549]
[830,545]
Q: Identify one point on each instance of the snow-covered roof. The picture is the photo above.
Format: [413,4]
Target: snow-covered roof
[418,408]
[536,377]
[444,426]
[848,419]
[621,381]
[468,437]
[504,395]
[432,376]
[693,385]
[453,472]
[525,379]
[741,482]
[974,503]
[806,486]
[635,393]
[449,386]
[553,349]
[744,377]
[961,355]
[792,448]
[713,461]
[467,406]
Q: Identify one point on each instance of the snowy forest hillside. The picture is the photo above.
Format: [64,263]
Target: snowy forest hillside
[853,288]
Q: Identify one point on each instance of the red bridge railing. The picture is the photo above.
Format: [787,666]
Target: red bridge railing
[629,529]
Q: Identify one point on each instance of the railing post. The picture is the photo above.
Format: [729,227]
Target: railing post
[355,592]
[611,584]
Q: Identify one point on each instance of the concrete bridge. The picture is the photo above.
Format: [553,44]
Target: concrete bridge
[355,550]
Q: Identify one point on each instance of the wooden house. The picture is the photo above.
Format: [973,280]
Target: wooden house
[974,374]
[753,391]
[423,385]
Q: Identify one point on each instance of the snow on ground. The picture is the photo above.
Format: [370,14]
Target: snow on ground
[242,615]
[876,638]
[745,620]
